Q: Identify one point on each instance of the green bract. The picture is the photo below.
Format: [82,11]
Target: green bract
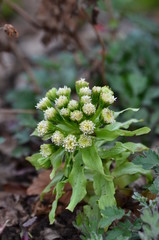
[79,134]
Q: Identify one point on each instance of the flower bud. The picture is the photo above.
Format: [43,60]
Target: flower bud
[106,99]
[76,115]
[85,99]
[107,116]
[43,128]
[85,91]
[65,91]
[57,138]
[84,141]
[43,104]
[65,112]
[61,102]
[51,94]
[95,94]
[87,127]
[46,150]
[70,143]
[73,105]
[89,109]
[80,84]
[50,114]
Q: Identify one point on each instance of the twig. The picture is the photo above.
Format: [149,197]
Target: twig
[16,111]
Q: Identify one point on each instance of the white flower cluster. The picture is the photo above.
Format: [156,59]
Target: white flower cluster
[107,116]
[46,150]
[50,113]
[42,128]
[63,91]
[87,127]
[70,143]
[70,123]
[57,138]
[43,104]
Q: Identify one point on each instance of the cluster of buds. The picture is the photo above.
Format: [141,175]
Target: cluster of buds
[71,123]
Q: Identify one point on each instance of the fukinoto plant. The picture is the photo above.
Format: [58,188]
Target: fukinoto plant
[80,145]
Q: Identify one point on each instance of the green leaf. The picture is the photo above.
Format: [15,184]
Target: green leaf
[120,148]
[59,192]
[128,168]
[44,162]
[110,214]
[78,182]
[148,161]
[56,179]
[112,135]
[92,160]
[118,125]
[105,190]
[116,114]
[34,160]
[56,160]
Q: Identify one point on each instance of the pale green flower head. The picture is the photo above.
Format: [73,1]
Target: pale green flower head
[85,91]
[107,116]
[65,91]
[43,128]
[95,94]
[50,114]
[87,127]
[85,141]
[85,99]
[70,143]
[43,104]
[89,109]
[61,102]
[57,138]
[46,150]
[73,105]
[65,112]
[76,115]
[107,98]
[51,94]
[80,84]
[106,89]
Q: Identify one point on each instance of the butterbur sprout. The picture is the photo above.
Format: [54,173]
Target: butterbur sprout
[78,134]
[70,143]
